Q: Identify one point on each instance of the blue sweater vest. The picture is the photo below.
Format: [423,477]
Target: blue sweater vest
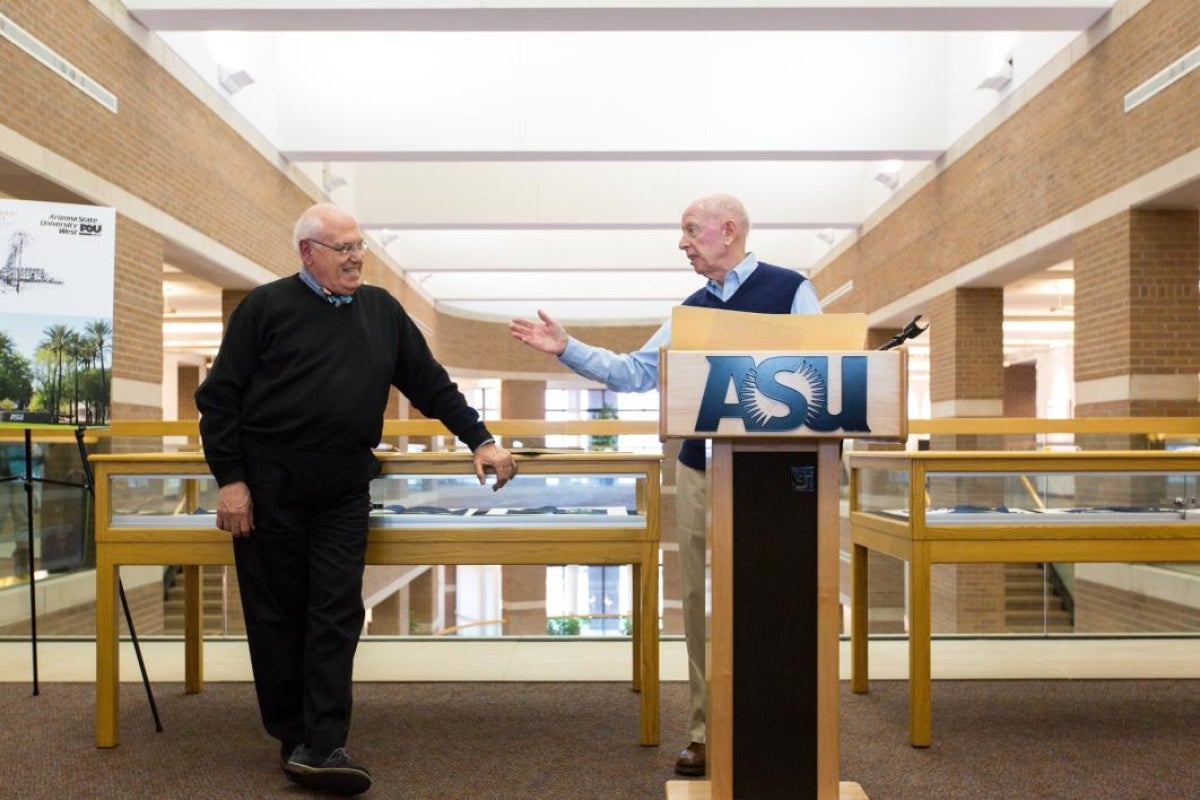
[768,290]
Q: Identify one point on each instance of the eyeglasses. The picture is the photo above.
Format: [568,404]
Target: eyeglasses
[344,250]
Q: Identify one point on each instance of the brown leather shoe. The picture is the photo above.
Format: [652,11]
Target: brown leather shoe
[691,760]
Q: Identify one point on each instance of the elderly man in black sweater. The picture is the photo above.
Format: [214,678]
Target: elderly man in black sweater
[289,416]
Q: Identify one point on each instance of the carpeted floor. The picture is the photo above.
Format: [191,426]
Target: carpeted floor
[1028,740]
[1091,740]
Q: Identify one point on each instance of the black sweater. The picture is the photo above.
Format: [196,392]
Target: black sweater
[297,377]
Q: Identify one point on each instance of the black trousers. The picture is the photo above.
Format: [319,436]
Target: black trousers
[300,574]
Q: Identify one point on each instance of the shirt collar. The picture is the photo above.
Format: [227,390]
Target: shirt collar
[322,292]
[734,278]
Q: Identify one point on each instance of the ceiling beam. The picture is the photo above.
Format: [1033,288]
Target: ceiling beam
[707,15]
[475,156]
[666,225]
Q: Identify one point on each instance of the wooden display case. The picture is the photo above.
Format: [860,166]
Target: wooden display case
[150,509]
[1008,507]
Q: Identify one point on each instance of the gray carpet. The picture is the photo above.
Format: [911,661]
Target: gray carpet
[1093,740]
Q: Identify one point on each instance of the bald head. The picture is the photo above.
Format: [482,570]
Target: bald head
[714,235]
[724,207]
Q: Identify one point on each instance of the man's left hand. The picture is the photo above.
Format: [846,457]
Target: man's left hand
[494,457]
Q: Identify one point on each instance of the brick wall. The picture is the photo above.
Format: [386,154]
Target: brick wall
[468,343]
[163,146]
[1105,609]
[967,598]
[145,606]
[1069,145]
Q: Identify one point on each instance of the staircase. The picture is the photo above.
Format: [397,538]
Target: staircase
[1031,604]
[213,595]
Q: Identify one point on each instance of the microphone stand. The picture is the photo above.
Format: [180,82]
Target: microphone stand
[910,331]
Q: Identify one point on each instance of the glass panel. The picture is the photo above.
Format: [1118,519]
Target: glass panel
[1039,598]
[441,500]
[54,484]
[417,599]
[1099,498]
[884,491]
[154,500]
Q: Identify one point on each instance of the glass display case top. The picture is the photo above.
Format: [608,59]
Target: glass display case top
[1115,497]
[408,500]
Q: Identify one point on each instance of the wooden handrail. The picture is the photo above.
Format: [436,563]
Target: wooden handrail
[1036,425]
[423,427]
[453,629]
[1162,427]
[154,427]
[49,435]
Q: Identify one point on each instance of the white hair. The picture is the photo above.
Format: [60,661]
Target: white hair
[311,224]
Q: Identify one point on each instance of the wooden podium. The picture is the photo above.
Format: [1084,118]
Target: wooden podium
[776,420]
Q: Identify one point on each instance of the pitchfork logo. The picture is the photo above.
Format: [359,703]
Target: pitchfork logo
[783,393]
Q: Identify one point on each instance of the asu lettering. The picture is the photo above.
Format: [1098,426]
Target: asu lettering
[783,393]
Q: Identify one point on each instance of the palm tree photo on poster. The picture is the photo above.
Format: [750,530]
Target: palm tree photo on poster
[57,264]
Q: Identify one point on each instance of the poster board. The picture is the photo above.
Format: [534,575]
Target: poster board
[57,265]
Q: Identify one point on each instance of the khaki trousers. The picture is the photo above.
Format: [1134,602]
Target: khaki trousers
[691,512]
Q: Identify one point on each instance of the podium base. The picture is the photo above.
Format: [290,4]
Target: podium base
[702,790]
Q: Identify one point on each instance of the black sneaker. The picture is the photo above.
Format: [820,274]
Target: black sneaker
[285,755]
[331,771]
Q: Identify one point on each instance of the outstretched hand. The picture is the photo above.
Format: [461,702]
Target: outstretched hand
[547,335]
[494,457]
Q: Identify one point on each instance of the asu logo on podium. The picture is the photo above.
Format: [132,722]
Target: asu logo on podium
[784,393]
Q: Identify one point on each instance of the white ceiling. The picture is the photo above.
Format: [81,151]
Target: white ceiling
[511,156]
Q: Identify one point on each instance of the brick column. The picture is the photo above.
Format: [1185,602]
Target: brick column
[966,358]
[1137,316]
[966,379]
[1020,400]
[425,611]
[449,594]
[137,354]
[523,600]
[524,400]
[187,378]
[389,617]
[523,587]
[397,408]
[1137,332]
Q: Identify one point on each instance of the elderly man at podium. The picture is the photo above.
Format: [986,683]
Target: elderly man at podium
[714,234]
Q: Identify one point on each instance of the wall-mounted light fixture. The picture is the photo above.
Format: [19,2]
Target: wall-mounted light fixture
[889,174]
[330,180]
[1000,77]
[233,80]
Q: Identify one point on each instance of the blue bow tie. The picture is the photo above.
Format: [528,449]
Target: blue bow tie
[339,299]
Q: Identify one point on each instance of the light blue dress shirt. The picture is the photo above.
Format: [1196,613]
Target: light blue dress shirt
[638,371]
[322,292]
